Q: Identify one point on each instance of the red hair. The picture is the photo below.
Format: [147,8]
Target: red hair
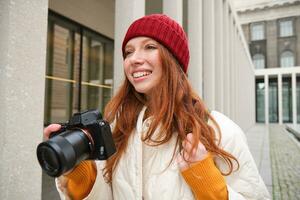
[174,106]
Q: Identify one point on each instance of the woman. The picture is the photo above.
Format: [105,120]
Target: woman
[169,146]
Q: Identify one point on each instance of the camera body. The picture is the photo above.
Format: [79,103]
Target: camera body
[99,130]
[85,137]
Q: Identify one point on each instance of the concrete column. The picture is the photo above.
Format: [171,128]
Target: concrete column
[219,51]
[173,8]
[126,11]
[234,74]
[279,81]
[271,44]
[230,70]
[294,98]
[195,70]
[23,36]
[226,56]
[266,99]
[209,53]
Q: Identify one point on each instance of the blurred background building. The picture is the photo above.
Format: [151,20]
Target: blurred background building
[272,31]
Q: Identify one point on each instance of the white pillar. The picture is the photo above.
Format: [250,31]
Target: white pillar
[219,67]
[23,36]
[266,99]
[195,73]
[234,85]
[294,98]
[279,81]
[226,57]
[209,53]
[126,11]
[230,67]
[174,9]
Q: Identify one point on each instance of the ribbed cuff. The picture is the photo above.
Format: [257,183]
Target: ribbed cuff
[205,180]
[81,180]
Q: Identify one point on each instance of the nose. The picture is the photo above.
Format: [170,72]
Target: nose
[137,58]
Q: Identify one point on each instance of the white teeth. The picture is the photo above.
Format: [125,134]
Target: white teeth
[140,74]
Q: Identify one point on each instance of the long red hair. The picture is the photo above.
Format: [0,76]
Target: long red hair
[174,106]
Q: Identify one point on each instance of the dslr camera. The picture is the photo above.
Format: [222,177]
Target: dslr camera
[86,136]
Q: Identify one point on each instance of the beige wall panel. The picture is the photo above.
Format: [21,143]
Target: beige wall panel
[98,15]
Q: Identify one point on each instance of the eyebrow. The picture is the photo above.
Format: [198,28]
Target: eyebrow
[143,42]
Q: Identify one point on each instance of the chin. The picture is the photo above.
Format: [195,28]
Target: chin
[142,91]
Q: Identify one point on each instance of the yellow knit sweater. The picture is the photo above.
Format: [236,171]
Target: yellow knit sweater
[203,177]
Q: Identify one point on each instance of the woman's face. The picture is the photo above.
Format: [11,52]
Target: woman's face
[142,64]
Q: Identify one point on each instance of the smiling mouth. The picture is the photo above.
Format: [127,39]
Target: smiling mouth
[141,74]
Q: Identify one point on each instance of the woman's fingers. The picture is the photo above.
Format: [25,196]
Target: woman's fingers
[191,154]
[190,138]
[181,162]
[201,152]
[50,129]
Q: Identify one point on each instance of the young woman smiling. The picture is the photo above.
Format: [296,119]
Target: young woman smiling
[169,146]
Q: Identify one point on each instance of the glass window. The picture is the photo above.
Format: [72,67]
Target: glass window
[153,6]
[273,100]
[96,72]
[260,100]
[286,28]
[298,97]
[287,113]
[259,61]
[287,59]
[257,31]
[79,70]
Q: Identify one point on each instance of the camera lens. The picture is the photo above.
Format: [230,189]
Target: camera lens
[49,159]
[62,152]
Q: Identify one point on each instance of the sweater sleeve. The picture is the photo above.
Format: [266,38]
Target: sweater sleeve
[81,180]
[205,180]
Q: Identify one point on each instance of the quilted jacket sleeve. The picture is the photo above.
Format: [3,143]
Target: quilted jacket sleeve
[100,191]
[246,182]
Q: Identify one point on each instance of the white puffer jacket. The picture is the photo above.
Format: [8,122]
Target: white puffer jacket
[143,172]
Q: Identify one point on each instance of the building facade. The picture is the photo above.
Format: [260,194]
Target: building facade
[272,31]
[59,57]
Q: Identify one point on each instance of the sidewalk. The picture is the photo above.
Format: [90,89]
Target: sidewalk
[258,141]
[277,155]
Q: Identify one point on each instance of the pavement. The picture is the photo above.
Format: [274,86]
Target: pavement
[277,155]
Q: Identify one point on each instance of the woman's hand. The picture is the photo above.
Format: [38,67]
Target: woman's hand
[50,129]
[189,155]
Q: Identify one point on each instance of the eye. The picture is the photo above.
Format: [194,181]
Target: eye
[150,46]
[127,52]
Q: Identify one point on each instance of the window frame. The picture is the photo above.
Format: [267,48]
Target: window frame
[76,28]
[264,60]
[280,21]
[252,25]
[281,57]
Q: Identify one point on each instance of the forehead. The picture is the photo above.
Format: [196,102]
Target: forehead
[139,40]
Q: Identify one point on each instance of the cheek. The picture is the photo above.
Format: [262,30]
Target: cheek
[126,70]
[159,72]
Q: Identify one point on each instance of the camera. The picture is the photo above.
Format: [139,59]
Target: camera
[86,136]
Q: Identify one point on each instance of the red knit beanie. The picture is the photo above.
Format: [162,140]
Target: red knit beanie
[165,31]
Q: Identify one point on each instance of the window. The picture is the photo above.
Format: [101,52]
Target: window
[298,97]
[287,106]
[286,28]
[257,31]
[273,100]
[260,100]
[79,69]
[259,61]
[287,59]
